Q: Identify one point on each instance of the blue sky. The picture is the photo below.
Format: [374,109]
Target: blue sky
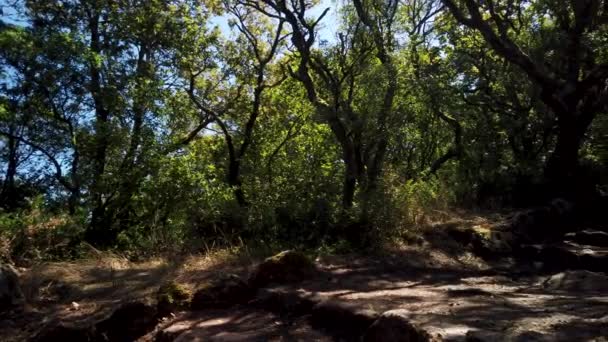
[327,28]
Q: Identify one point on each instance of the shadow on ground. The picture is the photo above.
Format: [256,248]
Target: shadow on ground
[449,298]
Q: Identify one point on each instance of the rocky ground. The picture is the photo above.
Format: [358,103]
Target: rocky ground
[449,304]
[462,282]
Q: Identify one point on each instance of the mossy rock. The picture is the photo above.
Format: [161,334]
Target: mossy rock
[222,292]
[285,267]
[171,297]
[394,326]
[127,323]
[10,291]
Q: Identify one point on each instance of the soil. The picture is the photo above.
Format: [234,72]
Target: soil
[445,292]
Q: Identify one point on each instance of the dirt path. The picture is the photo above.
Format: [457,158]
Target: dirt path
[447,295]
[451,302]
[235,324]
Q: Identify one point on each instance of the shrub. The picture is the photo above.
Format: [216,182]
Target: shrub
[37,234]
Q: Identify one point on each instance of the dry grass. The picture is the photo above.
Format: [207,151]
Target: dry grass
[103,280]
[109,277]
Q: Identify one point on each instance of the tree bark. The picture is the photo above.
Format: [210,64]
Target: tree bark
[562,167]
[8,197]
[352,175]
[575,90]
[98,224]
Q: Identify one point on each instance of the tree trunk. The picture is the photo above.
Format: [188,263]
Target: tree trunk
[99,222]
[562,168]
[73,201]
[74,198]
[374,170]
[351,175]
[234,180]
[8,197]
[130,172]
[348,191]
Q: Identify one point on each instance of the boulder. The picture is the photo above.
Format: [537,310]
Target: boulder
[171,297]
[395,326]
[563,256]
[462,236]
[589,237]
[482,336]
[127,323]
[485,242]
[172,332]
[577,281]
[285,267]
[547,222]
[594,262]
[10,291]
[285,302]
[527,253]
[341,319]
[558,257]
[221,293]
[492,245]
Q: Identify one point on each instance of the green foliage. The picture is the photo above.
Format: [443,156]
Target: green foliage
[161,126]
[400,209]
[171,296]
[35,234]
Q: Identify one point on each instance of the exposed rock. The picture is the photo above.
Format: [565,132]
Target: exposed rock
[564,256]
[10,290]
[492,245]
[594,262]
[236,324]
[543,223]
[342,319]
[492,336]
[222,293]
[171,297]
[395,326]
[127,323]
[468,292]
[462,236]
[482,336]
[527,253]
[579,281]
[56,291]
[483,248]
[286,302]
[589,237]
[484,242]
[558,257]
[62,332]
[171,332]
[285,267]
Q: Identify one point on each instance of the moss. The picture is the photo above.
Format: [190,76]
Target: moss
[223,292]
[172,296]
[287,266]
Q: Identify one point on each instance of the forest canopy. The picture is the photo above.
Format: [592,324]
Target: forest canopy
[153,125]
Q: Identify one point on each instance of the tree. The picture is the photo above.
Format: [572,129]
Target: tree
[331,84]
[262,43]
[571,74]
[42,114]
